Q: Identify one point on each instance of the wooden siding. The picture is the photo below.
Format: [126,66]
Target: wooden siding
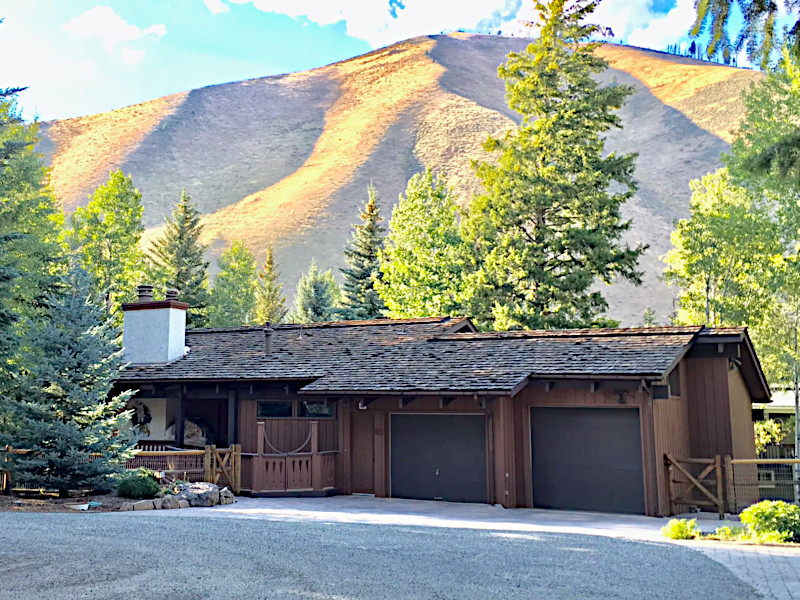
[286,435]
[709,413]
[744,445]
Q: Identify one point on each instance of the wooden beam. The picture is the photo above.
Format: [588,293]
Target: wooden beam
[548,386]
[445,400]
[365,402]
[406,400]
[594,386]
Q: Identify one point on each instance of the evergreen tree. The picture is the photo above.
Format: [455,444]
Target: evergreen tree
[29,220]
[360,300]
[270,301]
[424,259]
[548,227]
[760,28]
[61,408]
[316,297]
[233,297]
[178,254]
[106,236]
[649,317]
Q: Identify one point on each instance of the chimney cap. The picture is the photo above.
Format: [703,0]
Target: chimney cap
[144,292]
[172,294]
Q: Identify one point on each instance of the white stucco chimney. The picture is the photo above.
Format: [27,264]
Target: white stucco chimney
[153,331]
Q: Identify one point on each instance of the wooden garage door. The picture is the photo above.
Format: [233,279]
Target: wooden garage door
[438,457]
[587,459]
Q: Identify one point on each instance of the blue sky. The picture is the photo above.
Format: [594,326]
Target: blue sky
[81,57]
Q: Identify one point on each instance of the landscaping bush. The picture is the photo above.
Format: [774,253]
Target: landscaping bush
[727,534]
[773,521]
[138,485]
[681,529]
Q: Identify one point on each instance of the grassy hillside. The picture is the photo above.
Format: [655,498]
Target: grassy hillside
[286,160]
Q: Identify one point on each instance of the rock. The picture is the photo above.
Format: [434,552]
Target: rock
[225,496]
[126,506]
[200,494]
[183,504]
[143,505]
[158,503]
[170,502]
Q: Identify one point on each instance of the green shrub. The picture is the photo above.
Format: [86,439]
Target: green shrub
[140,484]
[727,534]
[681,529]
[772,521]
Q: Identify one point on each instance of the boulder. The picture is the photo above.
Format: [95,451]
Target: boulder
[126,506]
[183,504]
[143,505]
[199,494]
[158,503]
[225,496]
[168,502]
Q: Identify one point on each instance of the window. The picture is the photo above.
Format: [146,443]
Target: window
[660,391]
[674,380]
[316,409]
[274,410]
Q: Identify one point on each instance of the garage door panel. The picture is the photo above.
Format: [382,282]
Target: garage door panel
[438,456]
[587,459]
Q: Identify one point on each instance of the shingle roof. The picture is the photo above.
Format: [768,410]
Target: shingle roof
[417,355]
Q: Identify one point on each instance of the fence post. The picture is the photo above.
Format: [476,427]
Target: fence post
[260,438]
[207,464]
[237,468]
[720,487]
[316,458]
[731,491]
[670,485]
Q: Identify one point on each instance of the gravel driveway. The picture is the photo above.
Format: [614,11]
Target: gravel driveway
[130,556]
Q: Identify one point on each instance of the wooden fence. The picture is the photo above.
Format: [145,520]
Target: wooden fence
[222,466]
[732,484]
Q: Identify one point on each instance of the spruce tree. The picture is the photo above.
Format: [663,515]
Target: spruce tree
[233,297]
[105,234]
[316,297]
[424,259]
[270,301]
[61,409]
[360,300]
[548,227]
[179,256]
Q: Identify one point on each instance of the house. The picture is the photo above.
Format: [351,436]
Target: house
[433,409]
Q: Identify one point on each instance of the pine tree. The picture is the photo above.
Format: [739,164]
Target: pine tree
[106,236]
[233,296]
[360,300]
[548,227]
[316,297]
[61,409]
[649,317]
[178,254]
[270,301]
[424,259]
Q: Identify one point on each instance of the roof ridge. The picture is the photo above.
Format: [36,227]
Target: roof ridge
[566,333]
[323,324]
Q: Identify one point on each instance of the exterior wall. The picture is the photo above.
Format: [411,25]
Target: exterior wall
[709,412]
[536,395]
[671,426]
[285,435]
[744,445]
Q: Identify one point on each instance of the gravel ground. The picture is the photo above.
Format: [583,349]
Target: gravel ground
[132,556]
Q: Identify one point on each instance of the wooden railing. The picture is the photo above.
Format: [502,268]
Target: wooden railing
[304,468]
[222,466]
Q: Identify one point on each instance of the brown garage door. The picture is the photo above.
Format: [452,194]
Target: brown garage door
[587,459]
[439,457]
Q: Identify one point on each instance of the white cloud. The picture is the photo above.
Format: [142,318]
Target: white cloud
[666,29]
[102,23]
[216,6]
[374,22]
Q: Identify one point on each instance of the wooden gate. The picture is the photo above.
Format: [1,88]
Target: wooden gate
[224,464]
[691,483]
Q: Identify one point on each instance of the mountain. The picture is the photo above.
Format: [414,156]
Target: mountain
[286,160]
